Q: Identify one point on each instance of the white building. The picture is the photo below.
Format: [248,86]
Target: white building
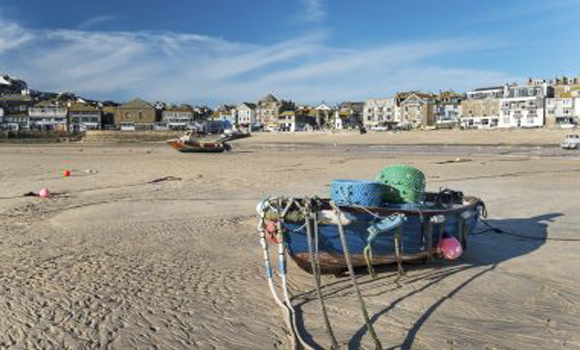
[523,106]
[562,111]
[447,115]
[246,114]
[487,92]
[380,111]
[177,118]
[48,116]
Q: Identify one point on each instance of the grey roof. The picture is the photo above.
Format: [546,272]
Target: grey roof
[136,103]
[249,105]
[489,88]
[269,98]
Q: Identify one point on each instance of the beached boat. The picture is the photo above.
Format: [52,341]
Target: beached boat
[191,143]
[199,147]
[393,233]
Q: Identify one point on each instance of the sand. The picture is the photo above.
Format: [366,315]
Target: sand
[115,260]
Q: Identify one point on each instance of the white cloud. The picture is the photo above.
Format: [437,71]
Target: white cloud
[96,21]
[180,67]
[313,11]
[12,36]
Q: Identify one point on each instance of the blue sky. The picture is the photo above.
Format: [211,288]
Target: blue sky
[215,52]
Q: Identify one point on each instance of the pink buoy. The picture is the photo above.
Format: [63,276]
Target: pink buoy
[450,248]
[271,226]
[44,193]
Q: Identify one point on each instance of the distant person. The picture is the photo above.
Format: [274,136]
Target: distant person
[362,130]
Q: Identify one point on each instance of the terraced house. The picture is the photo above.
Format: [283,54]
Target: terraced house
[178,117]
[15,107]
[379,112]
[268,109]
[84,117]
[415,109]
[447,109]
[48,116]
[136,115]
[246,112]
[523,106]
[481,108]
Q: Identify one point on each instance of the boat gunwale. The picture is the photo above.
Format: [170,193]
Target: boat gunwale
[385,211]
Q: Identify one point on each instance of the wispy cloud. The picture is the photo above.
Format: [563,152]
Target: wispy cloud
[313,11]
[181,67]
[12,35]
[96,21]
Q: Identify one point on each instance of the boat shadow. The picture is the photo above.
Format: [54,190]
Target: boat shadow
[485,251]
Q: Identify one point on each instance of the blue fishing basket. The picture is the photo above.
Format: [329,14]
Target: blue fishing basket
[365,193]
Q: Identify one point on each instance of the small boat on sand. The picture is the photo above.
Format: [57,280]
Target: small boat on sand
[190,144]
[374,235]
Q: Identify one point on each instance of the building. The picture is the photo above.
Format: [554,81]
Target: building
[246,113]
[447,109]
[487,92]
[523,106]
[564,87]
[324,116]
[178,117]
[298,120]
[349,115]
[481,113]
[380,112]
[136,115]
[84,117]
[48,116]
[562,111]
[17,103]
[268,109]
[415,109]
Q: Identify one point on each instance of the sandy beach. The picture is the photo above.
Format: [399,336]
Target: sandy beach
[147,248]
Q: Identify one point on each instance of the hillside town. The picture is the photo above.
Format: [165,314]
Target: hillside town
[552,103]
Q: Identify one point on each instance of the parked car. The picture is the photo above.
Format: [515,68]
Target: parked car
[571,141]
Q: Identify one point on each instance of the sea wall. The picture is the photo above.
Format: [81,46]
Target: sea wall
[108,136]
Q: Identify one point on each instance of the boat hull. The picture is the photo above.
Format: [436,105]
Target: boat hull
[198,147]
[417,232]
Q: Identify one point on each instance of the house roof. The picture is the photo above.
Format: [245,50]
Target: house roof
[16,97]
[489,88]
[48,103]
[249,105]
[412,97]
[269,98]
[179,109]
[136,103]
[323,106]
[77,107]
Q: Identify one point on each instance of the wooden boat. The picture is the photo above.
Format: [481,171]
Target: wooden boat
[199,147]
[421,227]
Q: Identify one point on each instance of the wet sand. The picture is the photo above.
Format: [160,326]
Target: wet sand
[116,260]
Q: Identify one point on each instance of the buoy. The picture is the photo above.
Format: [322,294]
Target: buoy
[450,248]
[66,173]
[44,193]
[271,227]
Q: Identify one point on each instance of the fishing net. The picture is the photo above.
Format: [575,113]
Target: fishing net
[407,183]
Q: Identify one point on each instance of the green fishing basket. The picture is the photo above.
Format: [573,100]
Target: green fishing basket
[407,183]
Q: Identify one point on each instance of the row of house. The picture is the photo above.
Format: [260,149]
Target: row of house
[537,103]
[22,112]
[534,104]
